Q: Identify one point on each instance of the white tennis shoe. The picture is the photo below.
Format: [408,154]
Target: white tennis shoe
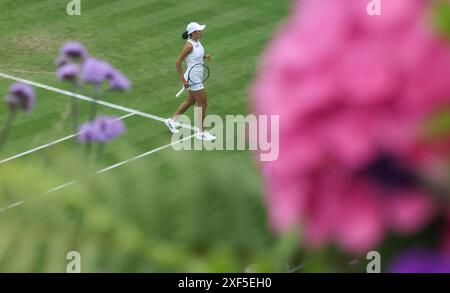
[172,125]
[205,135]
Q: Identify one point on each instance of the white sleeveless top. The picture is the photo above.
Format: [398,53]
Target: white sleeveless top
[196,56]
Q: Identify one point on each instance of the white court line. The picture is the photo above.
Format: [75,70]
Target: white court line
[51,143]
[67,184]
[89,99]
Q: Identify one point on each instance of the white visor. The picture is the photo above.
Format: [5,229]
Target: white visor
[193,26]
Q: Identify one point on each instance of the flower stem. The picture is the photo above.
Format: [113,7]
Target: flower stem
[97,89]
[93,110]
[7,127]
[88,147]
[74,114]
[74,109]
[100,150]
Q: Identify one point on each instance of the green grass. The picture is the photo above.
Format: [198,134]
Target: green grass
[182,211]
[142,38]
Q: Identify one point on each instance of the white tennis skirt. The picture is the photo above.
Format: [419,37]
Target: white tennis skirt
[194,87]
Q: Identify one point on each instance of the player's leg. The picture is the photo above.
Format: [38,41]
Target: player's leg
[202,101]
[171,122]
[184,106]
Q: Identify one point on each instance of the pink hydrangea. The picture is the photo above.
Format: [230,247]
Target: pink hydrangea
[353,92]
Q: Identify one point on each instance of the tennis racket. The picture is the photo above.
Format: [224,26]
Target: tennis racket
[198,74]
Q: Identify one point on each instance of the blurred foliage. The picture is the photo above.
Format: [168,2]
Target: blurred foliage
[171,212]
[442,16]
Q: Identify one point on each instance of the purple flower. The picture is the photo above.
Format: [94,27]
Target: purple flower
[95,71]
[109,127]
[61,60]
[74,50]
[68,72]
[86,133]
[21,96]
[420,261]
[101,130]
[118,81]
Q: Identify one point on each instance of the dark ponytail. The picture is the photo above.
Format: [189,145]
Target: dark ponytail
[185,35]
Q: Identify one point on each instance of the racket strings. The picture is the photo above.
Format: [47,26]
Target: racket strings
[199,73]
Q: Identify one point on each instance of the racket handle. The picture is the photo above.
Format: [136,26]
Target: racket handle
[180,92]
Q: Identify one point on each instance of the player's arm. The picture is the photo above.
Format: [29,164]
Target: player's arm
[186,51]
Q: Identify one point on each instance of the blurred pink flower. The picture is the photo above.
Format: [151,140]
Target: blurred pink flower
[353,92]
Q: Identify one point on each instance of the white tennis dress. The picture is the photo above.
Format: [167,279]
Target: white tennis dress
[195,57]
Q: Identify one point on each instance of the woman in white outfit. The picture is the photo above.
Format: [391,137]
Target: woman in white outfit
[193,53]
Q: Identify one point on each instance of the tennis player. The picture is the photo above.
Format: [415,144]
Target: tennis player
[193,53]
